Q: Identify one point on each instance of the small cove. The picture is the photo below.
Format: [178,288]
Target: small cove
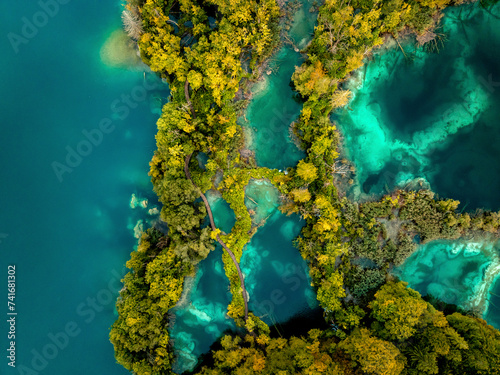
[460,272]
[277,277]
[430,115]
[275,105]
[199,319]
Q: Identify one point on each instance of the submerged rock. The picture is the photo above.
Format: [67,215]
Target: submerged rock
[134,202]
[201,315]
[472,249]
[454,250]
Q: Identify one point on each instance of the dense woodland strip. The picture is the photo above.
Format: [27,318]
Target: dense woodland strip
[378,325]
[215,230]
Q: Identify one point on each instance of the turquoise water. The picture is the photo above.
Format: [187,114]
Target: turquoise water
[429,119]
[276,276]
[275,105]
[458,272]
[492,315]
[69,239]
[431,115]
[200,317]
[223,214]
[261,200]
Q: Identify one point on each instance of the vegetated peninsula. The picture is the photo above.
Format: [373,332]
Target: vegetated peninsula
[210,53]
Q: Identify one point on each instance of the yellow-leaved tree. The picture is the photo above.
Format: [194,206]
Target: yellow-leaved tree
[307,171]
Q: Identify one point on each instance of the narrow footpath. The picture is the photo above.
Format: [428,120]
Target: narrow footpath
[214,228]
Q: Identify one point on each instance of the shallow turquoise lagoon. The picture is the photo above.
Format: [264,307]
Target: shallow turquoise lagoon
[459,272]
[492,315]
[68,237]
[200,318]
[431,115]
[223,214]
[275,105]
[276,276]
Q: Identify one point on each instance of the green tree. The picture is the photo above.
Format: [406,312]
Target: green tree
[398,309]
[307,171]
[483,341]
[373,355]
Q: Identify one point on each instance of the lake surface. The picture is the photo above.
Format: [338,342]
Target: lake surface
[78,133]
[428,117]
[431,114]
[200,318]
[275,105]
[459,272]
[70,233]
[277,277]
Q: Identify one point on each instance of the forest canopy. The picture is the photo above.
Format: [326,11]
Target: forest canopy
[210,52]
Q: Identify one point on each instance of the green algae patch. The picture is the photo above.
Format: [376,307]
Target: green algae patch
[119,51]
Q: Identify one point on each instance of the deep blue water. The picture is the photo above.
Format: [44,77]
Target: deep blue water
[68,236]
